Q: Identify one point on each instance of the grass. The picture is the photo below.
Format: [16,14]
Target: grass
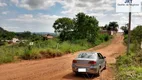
[40,49]
[129,67]
[43,49]
[129,73]
[104,44]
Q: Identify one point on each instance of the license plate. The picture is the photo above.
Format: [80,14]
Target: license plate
[81,69]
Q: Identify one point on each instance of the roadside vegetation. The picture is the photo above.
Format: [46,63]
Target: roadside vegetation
[40,49]
[129,66]
[79,33]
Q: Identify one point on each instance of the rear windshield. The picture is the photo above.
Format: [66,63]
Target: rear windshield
[87,55]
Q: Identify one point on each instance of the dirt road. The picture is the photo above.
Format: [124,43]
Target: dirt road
[60,68]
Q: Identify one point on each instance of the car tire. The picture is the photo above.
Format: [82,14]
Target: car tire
[105,67]
[98,73]
[76,73]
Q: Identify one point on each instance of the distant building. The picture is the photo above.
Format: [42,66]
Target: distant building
[112,32]
[48,36]
[15,40]
[103,30]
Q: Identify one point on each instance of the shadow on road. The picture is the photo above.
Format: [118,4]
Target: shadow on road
[73,76]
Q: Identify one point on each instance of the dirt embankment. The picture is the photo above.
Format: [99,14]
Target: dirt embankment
[60,68]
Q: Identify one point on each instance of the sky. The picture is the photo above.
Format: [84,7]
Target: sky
[39,15]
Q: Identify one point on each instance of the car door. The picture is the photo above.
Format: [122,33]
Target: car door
[101,60]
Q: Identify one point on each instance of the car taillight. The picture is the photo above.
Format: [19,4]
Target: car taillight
[74,61]
[92,62]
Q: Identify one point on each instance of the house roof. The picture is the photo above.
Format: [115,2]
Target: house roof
[48,36]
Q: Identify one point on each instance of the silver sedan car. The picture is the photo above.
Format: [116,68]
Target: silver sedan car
[89,62]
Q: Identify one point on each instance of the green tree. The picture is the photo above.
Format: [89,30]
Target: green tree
[24,35]
[10,35]
[106,26]
[6,34]
[64,26]
[86,27]
[112,26]
[36,37]
[125,29]
[81,27]
[137,34]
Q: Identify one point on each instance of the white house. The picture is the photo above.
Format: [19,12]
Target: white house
[14,40]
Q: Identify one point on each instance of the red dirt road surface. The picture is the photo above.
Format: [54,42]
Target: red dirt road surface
[60,68]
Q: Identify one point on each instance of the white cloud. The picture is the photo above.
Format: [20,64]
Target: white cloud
[37,18]
[34,23]
[117,14]
[137,14]
[103,10]
[70,6]
[26,16]
[97,14]
[35,4]
[2,4]
[5,12]
[15,1]
[10,28]
[91,6]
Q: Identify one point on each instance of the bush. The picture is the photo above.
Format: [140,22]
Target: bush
[129,67]
[6,58]
[30,54]
[130,73]
[137,34]
[2,43]
[102,38]
[125,39]
[65,47]
[43,49]
[49,53]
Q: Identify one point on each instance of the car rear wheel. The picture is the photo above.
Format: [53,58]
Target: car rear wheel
[105,67]
[77,73]
[99,72]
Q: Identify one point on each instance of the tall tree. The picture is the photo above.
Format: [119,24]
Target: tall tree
[81,27]
[113,26]
[24,35]
[137,34]
[64,26]
[86,27]
[125,29]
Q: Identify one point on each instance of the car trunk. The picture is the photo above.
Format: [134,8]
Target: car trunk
[83,62]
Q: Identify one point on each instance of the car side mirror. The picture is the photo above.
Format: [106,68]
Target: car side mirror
[104,57]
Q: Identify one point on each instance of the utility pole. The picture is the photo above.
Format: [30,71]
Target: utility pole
[129,31]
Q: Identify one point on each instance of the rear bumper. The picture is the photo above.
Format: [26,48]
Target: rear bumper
[91,69]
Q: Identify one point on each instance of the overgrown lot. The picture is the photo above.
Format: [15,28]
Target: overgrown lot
[45,49]
[40,49]
[129,66]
